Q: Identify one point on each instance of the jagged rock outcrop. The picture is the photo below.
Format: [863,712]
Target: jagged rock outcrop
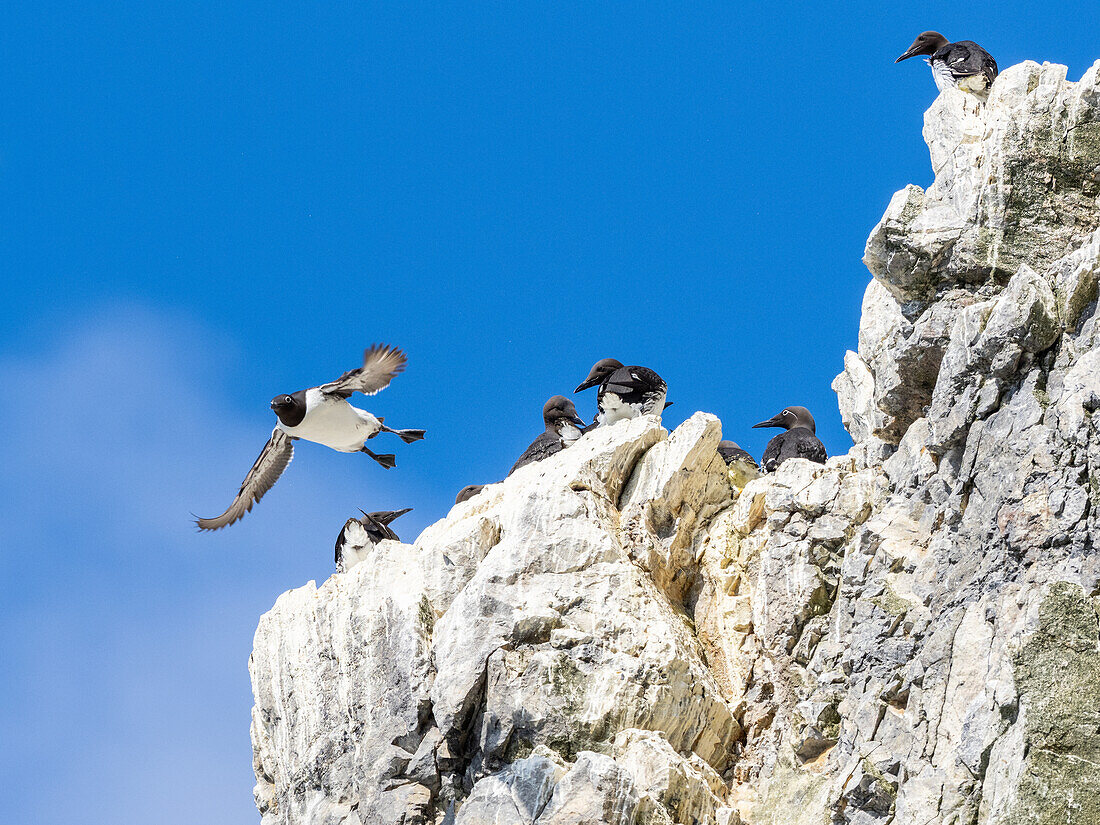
[909,634]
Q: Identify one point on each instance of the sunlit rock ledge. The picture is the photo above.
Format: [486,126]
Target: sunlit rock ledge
[908,634]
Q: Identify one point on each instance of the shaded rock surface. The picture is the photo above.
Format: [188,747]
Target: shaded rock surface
[908,634]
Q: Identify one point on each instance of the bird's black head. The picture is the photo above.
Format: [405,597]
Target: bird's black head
[560,410]
[291,409]
[468,492]
[790,418]
[926,43]
[600,372]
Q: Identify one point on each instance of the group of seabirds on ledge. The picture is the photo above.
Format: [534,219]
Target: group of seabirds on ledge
[323,415]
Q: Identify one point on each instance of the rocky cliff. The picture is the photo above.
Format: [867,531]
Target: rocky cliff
[909,634]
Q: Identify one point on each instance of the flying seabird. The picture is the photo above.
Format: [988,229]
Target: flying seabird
[798,441]
[964,65]
[563,427]
[468,492]
[322,415]
[625,392]
[741,466]
[361,534]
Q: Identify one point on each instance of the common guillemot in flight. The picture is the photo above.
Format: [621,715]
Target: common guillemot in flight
[468,492]
[799,440]
[625,392]
[322,415]
[361,534]
[563,427]
[741,466]
[964,65]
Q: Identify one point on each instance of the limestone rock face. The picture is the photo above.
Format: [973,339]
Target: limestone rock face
[908,634]
[1017,184]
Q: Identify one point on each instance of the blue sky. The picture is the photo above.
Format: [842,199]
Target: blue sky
[202,205]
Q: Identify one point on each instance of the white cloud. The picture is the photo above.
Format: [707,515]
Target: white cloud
[126,633]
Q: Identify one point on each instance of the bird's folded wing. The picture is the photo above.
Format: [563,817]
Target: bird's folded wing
[771,453]
[265,472]
[812,449]
[968,59]
[622,387]
[542,447]
[380,364]
[634,379]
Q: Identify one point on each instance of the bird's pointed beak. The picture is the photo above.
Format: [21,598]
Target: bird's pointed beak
[576,419]
[911,52]
[590,381]
[667,405]
[771,422]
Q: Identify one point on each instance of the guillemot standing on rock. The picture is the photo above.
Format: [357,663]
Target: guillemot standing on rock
[563,427]
[361,534]
[964,65]
[625,392]
[798,441]
[322,415]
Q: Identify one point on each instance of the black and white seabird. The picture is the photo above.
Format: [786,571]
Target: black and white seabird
[798,441]
[964,65]
[361,534]
[625,392]
[468,492]
[563,427]
[741,466]
[322,415]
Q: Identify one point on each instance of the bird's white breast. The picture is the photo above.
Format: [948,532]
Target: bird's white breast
[353,554]
[568,432]
[333,422]
[613,408]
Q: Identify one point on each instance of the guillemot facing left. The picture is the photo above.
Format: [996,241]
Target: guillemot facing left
[625,392]
[963,65]
[799,440]
[361,534]
[563,427]
[322,415]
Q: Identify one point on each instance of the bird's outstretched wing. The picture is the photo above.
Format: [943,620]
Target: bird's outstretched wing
[265,472]
[380,364]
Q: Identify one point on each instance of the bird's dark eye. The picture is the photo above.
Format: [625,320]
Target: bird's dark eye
[287,399]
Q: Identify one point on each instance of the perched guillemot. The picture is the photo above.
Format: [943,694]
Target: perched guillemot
[625,392]
[798,441]
[563,427]
[322,415]
[361,534]
[964,65]
[468,492]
